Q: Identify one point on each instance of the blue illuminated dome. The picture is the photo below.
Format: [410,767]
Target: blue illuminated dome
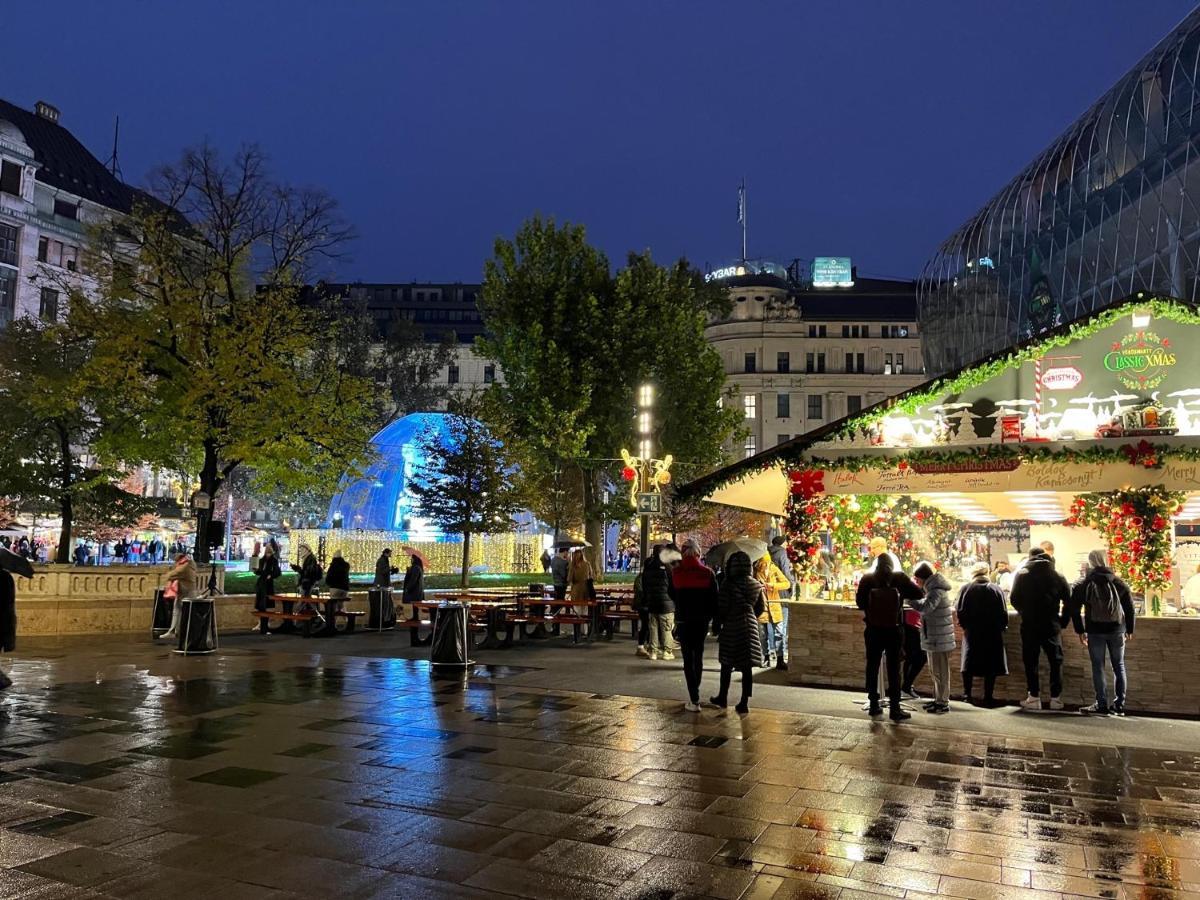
[381,500]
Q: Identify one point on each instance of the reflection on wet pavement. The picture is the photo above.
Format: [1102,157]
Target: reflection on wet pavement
[277,775]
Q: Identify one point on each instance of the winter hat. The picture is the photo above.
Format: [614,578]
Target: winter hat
[923,570]
[1097,559]
[691,547]
[980,571]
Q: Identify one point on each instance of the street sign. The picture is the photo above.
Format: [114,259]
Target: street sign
[649,503]
[201,500]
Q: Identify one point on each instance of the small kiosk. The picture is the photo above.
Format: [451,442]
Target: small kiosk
[1087,436]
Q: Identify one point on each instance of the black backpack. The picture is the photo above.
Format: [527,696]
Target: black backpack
[1103,603]
[884,608]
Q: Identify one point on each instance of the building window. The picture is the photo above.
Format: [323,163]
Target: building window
[853,404]
[820,331]
[782,438]
[783,406]
[452,374]
[750,406]
[812,330]
[43,248]
[489,374]
[820,362]
[8,245]
[849,362]
[887,364]
[10,178]
[48,309]
[846,331]
[861,358]
[866,330]
[816,406]
[8,295]
[809,365]
[751,362]
[748,447]
[66,210]
[899,363]
[783,363]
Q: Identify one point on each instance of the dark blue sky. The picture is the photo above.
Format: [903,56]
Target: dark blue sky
[867,129]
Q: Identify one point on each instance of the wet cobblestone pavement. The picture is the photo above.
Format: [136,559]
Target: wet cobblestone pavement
[269,774]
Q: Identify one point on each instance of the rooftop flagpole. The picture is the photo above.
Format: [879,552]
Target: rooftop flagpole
[742,214]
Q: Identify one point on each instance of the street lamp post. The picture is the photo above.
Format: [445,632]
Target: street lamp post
[645,426]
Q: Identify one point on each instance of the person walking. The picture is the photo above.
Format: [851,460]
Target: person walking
[739,604]
[8,619]
[774,582]
[1102,612]
[660,606]
[779,556]
[1041,595]
[881,595]
[695,589]
[183,577]
[937,631]
[581,585]
[983,617]
[264,584]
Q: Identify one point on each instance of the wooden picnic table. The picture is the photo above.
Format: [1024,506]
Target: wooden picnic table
[289,602]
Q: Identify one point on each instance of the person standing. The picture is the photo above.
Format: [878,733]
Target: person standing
[183,576]
[546,560]
[8,619]
[1103,615]
[660,606]
[384,570]
[937,631]
[881,595]
[779,556]
[914,655]
[774,583]
[337,580]
[264,584]
[414,582]
[560,574]
[983,617]
[739,604]
[1040,595]
[695,588]
[580,583]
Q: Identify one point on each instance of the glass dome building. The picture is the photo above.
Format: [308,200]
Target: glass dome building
[1105,211]
[380,500]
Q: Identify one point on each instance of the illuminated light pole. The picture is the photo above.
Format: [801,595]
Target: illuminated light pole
[644,474]
[645,427]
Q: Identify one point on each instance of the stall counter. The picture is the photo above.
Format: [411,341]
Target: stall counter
[825,646]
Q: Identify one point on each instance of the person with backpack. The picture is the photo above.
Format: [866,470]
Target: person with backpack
[881,595]
[1041,595]
[1101,609]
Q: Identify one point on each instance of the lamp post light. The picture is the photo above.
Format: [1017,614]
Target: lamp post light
[645,427]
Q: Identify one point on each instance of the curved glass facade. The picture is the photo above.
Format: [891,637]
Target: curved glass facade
[1107,210]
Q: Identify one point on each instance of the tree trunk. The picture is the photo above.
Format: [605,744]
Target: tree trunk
[466,560]
[593,524]
[209,483]
[65,501]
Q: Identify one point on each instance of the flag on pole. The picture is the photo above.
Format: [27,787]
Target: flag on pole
[742,202]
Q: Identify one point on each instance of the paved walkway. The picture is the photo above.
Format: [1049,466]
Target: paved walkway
[339,768]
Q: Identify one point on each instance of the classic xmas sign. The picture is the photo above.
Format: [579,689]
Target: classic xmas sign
[1140,360]
[1061,378]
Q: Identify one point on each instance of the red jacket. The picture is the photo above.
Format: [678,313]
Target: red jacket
[695,589]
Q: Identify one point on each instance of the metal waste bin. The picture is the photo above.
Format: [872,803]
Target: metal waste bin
[160,618]
[381,609]
[197,627]
[450,643]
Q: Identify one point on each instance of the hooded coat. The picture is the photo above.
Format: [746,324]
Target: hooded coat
[414,583]
[1040,595]
[739,604]
[1103,577]
[656,587]
[984,619]
[338,576]
[937,615]
[184,575]
[774,583]
[383,570]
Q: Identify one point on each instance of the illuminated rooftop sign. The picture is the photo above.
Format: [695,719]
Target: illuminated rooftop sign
[832,271]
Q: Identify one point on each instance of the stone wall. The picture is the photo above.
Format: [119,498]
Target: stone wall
[825,643]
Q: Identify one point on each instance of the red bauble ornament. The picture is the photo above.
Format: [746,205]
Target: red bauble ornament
[628,473]
[1159,523]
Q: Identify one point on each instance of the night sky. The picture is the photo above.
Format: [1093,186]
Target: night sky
[865,129]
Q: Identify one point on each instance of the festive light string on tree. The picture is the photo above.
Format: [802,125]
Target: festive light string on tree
[1137,526]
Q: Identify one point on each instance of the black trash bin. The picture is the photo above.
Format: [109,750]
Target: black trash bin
[450,644]
[160,619]
[197,627]
[382,610]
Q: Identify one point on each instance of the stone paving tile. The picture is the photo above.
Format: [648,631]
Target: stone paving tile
[282,773]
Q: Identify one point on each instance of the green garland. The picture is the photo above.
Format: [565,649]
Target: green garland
[1150,456]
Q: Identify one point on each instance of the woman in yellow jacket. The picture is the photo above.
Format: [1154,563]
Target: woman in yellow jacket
[773,581]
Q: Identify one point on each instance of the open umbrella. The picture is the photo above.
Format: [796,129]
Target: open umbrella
[17,565]
[413,551]
[752,547]
[570,543]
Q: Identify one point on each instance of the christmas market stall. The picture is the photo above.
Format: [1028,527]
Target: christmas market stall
[1086,437]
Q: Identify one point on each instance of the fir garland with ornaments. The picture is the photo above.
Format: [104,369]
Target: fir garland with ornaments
[1138,529]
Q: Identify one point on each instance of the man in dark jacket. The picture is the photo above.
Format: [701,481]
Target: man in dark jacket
[384,570]
[1101,609]
[1041,595]
[881,595]
[656,594]
[695,588]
